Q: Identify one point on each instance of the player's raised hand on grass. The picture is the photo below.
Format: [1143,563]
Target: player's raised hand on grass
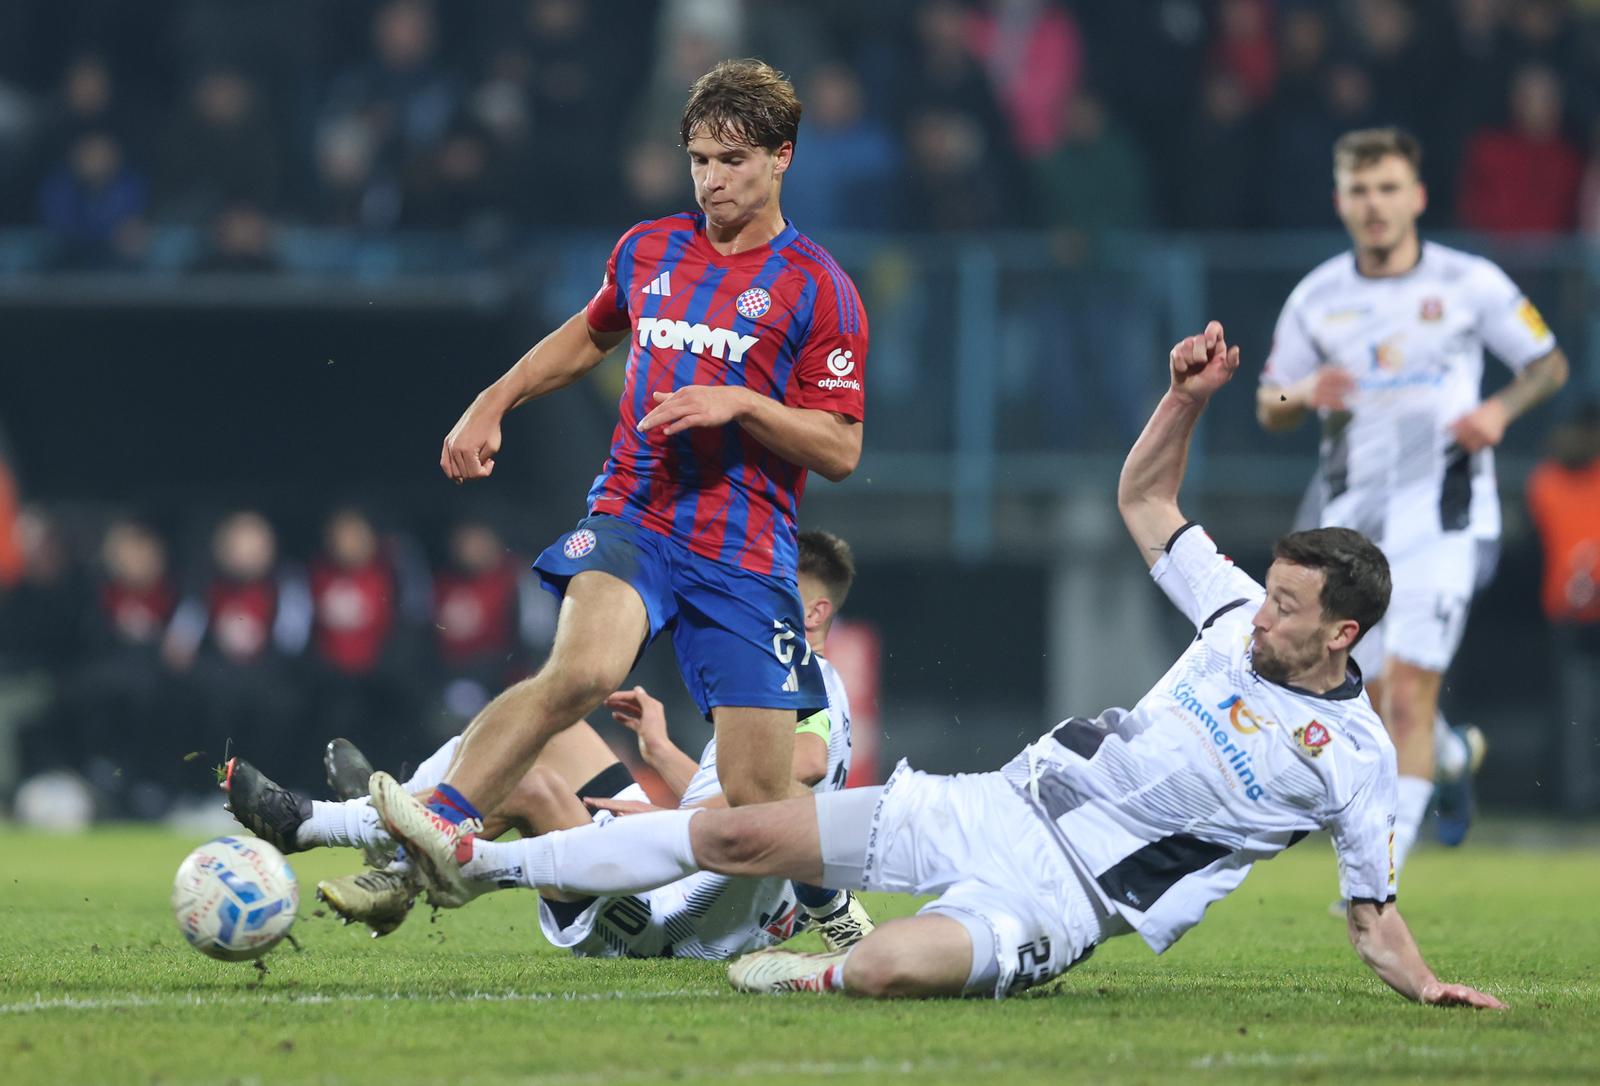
[695,406]
[1202,364]
[471,445]
[1440,994]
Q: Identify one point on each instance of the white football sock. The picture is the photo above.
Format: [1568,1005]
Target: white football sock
[351,824]
[432,769]
[1415,792]
[624,856]
[1450,753]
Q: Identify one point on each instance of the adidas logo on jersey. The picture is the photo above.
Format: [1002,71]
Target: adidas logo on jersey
[676,335]
[661,284]
[791,685]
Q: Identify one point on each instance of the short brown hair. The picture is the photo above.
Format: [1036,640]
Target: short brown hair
[1355,574]
[826,557]
[745,103]
[1366,146]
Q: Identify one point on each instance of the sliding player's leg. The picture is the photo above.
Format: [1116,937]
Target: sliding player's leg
[1011,911]
[542,801]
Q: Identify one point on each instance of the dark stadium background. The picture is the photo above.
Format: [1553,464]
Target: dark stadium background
[232,323]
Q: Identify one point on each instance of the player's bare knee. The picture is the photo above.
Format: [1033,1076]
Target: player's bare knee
[536,790]
[727,844]
[877,973]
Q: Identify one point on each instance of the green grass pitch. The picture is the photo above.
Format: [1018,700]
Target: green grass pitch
[97,986]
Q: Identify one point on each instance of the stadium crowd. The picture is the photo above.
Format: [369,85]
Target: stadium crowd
[126,657]
[235,118]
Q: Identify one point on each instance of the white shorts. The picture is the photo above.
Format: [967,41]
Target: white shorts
[701,916]
[978,845]
[1433,586]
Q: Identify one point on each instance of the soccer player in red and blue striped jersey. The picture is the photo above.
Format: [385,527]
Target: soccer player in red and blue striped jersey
[747,348]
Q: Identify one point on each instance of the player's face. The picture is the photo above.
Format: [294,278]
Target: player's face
[734,184]
[1292,635]
[1379,202]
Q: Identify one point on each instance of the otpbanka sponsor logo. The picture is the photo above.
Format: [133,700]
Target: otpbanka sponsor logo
[1235,757]
[841,364]
[676,335]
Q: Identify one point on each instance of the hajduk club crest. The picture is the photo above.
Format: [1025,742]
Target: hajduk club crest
[753,303]
[579,543]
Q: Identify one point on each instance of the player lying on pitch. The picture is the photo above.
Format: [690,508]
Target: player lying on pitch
[701,916]
[1259,734]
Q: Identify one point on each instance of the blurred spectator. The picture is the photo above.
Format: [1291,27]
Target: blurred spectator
[10,544]
[1470,94]
[846,163]
[456,185]
[352,190]
[18,119]
[122,698]
[1297,187]
[43,610]
[1589,188]
[1033,52]
[574,51]
[1564,497]
[93,204]
[235,638]
[942,86]
[1096,180]
[655,180]
[220,150]
[240,239]
[41,638]
[1399,61]
[501,109]
[403,95]
[1226,137]
[1297,172]
[85,103]
[952,182]
[491,621]
[1523,178]
[1147,60]
[359,670]
[1245,47]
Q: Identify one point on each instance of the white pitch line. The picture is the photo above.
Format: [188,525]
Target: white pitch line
[40,1004]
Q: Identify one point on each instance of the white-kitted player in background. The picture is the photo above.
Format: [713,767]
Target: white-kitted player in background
[1385,344]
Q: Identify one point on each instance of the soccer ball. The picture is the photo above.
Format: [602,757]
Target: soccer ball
[235,898]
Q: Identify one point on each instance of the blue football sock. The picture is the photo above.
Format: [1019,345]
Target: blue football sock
[452,805]
[814,897]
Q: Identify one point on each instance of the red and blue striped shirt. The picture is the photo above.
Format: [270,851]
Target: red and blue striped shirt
[782,319]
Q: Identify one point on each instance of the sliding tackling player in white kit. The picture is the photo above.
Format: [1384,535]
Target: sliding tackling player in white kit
[1259,734]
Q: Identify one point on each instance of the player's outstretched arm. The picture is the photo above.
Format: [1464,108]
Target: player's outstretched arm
[646,718]
[555,361]
[1381,937]
[1147,493]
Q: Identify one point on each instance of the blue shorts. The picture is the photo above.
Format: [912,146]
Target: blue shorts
[739,636]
